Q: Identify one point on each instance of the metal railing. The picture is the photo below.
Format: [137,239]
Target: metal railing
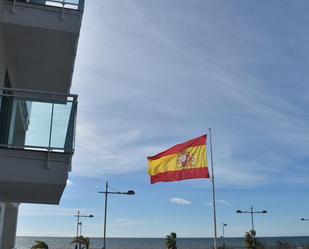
[37,120]
[65,4]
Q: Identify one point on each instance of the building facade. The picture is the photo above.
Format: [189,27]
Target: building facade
[38,44]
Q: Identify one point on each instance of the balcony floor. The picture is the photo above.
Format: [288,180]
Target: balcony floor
[30,176]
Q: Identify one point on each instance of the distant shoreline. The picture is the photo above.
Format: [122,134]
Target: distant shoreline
[294,242]
[31,236]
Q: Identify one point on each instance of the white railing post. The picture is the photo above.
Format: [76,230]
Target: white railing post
[13,7]
[62,10]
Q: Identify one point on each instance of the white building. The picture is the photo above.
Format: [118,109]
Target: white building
[38,43]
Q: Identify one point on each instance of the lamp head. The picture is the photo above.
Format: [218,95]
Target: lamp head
[130,192]
[238,211]
[91,216]
[225,224]
[264,211]
[302,219]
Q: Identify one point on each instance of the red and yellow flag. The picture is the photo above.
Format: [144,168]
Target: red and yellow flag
[181,162]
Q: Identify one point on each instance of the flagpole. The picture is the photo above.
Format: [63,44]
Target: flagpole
[213,191]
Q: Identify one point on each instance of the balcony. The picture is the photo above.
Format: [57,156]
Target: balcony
[37,132]
[67,4]
[40,41]
[55,15]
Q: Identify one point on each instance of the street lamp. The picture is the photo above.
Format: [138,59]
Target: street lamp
[106,192]
[303,219]
[223,226]
[251,211]
[79,223]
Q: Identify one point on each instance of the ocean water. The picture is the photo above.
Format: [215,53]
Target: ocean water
[155,243]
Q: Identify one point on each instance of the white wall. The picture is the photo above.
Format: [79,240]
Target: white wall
[2,208]
[8,221]
[8,212]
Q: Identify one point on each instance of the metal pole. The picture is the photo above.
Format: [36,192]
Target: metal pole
[223,235]
[213,192]
[106,193]
[252,224]
[51,126]
[76,245]
[50,134]
[223,230]
[81,227]
[77,223]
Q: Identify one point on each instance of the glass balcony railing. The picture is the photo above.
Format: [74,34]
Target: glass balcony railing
[37,120]
[68,4]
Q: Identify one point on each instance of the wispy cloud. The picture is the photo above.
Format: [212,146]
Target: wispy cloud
[180,201]
[163,101]
[224,202]
[125,222]
[69,182]
[36,210]
[109,152]
[151,74]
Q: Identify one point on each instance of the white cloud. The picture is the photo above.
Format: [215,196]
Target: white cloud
[180,201]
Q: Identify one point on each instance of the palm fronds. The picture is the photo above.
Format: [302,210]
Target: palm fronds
[170,241]
[39,245]
[82,241]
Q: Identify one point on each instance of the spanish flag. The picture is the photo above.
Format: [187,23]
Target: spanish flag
[181,162]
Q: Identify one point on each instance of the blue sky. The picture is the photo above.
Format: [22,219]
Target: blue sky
[151,74]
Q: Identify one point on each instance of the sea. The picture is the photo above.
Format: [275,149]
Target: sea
[158,243]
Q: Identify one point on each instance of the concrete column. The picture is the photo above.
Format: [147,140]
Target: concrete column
[2,208]
[8,220]
[2,57]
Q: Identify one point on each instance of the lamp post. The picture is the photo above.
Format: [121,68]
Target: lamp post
[80,228]
[304,219]
[251,211]
[78,223]
[223,238]
[106,193]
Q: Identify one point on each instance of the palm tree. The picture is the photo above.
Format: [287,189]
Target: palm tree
[250,240]
[39,245]
[82,241]
[170,241]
